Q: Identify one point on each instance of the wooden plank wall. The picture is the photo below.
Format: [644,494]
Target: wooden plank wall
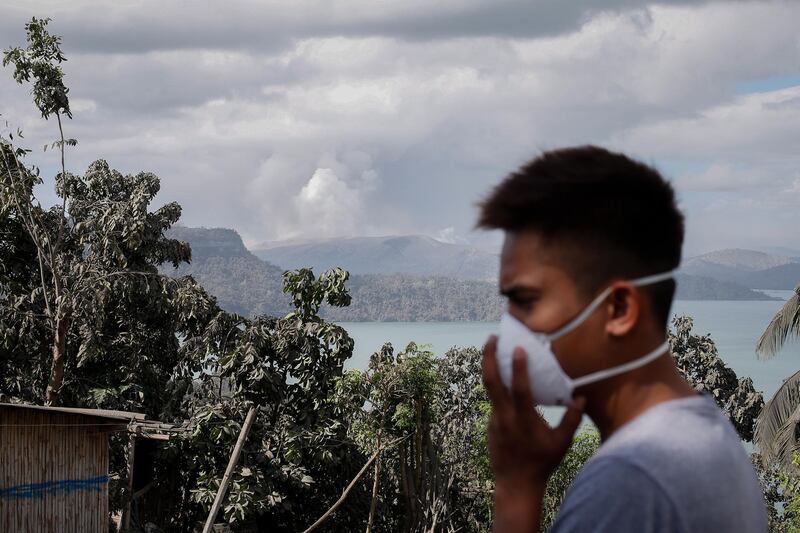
[53,472]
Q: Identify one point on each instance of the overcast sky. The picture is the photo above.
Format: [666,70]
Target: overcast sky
[304,119]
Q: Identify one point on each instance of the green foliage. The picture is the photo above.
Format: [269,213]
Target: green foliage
[779,487]
[41,61]
[125,326]
[583,446]
[123,318]
[698,360]
[308,293]
[297,450]
[789,484]
[776,430]
[428,417]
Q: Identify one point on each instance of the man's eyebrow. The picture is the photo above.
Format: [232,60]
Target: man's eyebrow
[517,290]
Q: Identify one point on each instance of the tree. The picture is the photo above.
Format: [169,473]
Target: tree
[113,322]
[583,447]
[393,401]
[780,490]
[425,418]
[776,430]
[85,317]
[784,326]
[41,61]
[461,436]
[698,361]
[297,450]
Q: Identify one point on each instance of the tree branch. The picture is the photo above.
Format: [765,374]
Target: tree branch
[63,222]
[352,484]
[30,226]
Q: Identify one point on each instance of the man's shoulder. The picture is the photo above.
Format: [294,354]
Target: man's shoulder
[620,473]
[680,461]
[691,428]
[612,493]
[688,445]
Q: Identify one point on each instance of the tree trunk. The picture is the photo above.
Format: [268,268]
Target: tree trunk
[374,504]
[405,489]
[59,359]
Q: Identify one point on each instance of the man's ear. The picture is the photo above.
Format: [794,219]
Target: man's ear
[623,309]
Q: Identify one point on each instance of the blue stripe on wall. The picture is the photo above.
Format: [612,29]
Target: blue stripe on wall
[38,490]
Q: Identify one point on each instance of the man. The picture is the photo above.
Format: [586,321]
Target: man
[591,240]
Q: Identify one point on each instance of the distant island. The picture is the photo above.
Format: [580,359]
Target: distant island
[412,291]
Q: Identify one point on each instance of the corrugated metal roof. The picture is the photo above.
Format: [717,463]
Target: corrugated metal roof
[99,413]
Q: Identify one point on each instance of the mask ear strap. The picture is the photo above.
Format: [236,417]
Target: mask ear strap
[578,320]
[655,278]
[636,363]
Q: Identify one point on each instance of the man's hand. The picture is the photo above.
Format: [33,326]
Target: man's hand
[524,450]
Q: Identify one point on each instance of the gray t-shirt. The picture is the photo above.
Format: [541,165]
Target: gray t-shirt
[679,466]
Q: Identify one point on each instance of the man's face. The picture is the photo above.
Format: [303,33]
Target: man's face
[544,297]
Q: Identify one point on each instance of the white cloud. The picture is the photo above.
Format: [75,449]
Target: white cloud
[300,120]
[327,199]
[328,206]
[726,177]
[751,127]
[793,191]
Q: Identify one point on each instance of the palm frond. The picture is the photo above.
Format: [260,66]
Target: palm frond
[775,435]
[784,325]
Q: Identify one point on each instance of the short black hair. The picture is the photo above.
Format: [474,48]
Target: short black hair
[613,217]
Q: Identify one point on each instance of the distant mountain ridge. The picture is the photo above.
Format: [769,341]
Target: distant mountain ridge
[704,288]
[246,284]
[742,259]
[417,255]
[794,253]
[241,282]
[750,268]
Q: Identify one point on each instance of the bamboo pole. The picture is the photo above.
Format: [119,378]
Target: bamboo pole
[125,522]
[352,484]
[223,486]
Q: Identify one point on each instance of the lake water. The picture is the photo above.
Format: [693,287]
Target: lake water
[735,327]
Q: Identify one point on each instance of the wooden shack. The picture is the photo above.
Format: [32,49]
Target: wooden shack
[54,467]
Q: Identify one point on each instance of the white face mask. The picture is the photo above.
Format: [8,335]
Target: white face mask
[549,384]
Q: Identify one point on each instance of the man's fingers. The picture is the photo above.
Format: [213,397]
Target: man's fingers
[572,419]
[491,375]
[520,385]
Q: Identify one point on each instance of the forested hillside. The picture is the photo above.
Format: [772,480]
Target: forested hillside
[241,282]
[245,284]
[705,288]
[408,298]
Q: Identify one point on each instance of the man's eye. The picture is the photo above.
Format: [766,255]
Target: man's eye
[523,302]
